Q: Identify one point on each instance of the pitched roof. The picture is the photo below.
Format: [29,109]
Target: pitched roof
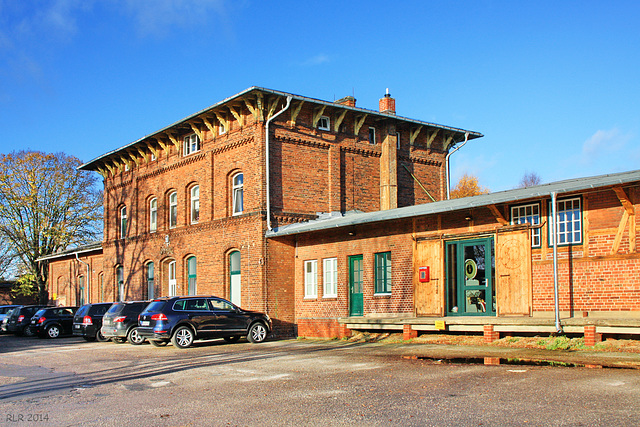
[561,188]
[91,247]
[253,91]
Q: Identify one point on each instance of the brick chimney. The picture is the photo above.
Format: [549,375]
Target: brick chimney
[387,104]
[349,101]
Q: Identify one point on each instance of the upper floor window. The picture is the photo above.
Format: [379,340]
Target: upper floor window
[330,277]
[191,144]
[195,204]
[383,273]
[173,209]
[222,129]
[372,135]
[324,123]
[568,222]
[398,140]
[123,222]
[528,214]
[311,279]
[238,193]
[153,215]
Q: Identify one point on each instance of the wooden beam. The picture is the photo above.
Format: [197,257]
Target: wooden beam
[207,122]
[338,121]
[134,157]
[272,107]
[358,123]
[624,199]
[162,144]
[494,210]
[223,121]
[431,137]
[317,112]
[260,106]
[174,140]
[251,108]
[448,140]
[632,233]
[143,154]
[197,131]
[295,112]
[621,227]
[238,116]
[413,134]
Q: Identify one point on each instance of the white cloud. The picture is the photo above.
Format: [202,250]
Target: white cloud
[319,59]
[157,17]
[603,143]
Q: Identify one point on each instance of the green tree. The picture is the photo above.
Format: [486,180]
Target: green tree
[46,204]
[467,186]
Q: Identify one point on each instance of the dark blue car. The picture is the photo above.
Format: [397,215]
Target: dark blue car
[182,320]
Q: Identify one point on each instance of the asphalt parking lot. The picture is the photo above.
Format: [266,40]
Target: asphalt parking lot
[71,382]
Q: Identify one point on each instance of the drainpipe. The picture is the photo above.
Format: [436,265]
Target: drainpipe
[266,144]
[446,161]
[554,240]
[88,277]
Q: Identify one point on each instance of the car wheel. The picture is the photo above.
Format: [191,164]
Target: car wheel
[232,339]
[119,340]
[183,337]
[100,337]
[28,332]
[158,343]
[89,338]
[53,331]
[257,333]
[134,337]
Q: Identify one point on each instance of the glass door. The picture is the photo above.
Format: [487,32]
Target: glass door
[470,276]
[356,298]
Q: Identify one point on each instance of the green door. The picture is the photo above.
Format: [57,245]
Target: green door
[470,277]
[356,301]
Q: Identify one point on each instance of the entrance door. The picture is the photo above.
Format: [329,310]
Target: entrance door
[356,298]
[235,285]
[470,273]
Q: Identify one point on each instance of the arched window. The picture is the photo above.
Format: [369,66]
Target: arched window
[153,215]
[173,209]
[150,277]
[173,284]
[191,276]
[123,222]
[81,299]
[235,278]
[238,193]
[101,285]
[195,204]
[120,283]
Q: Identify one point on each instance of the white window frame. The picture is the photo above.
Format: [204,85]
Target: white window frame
[153,215]
[330,277]
[372,132]
[528,214]
[173,207]
[324,123]
[222,129]
[382,273]
[568,224]
[195,204]
[191,144]
[237,194]
[311,278]
[173,282]
[123,222]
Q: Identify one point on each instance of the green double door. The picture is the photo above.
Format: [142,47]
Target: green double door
[470,277]
[356,298]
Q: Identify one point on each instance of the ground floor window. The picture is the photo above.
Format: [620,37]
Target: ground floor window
[120,283]
[383,273]
[330,277]
[173,283]
[528,214]
[150,281]
[235,278]
[311,279]
[191,276]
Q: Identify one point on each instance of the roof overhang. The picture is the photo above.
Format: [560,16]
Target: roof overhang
[247,97]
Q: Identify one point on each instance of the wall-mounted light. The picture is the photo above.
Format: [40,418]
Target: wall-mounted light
[468,218]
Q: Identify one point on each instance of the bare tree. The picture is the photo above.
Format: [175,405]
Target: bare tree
[529,180]
[467,186]
[46,204]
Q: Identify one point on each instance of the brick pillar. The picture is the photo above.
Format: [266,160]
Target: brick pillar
[343,331]
[408,333]
[591,337]
[490,335]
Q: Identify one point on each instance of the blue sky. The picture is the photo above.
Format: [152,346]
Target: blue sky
[552,85]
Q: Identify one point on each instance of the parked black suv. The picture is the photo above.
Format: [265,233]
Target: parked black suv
[51,322]
[88,321]
[185,319]
[5,310]
[19,321]
[120,323]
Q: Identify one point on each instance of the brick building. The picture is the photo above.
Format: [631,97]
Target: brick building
[483,263]
[187,208]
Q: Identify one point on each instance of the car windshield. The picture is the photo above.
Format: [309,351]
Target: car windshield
[40,312]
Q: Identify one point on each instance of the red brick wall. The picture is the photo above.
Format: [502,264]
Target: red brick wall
[64,276]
